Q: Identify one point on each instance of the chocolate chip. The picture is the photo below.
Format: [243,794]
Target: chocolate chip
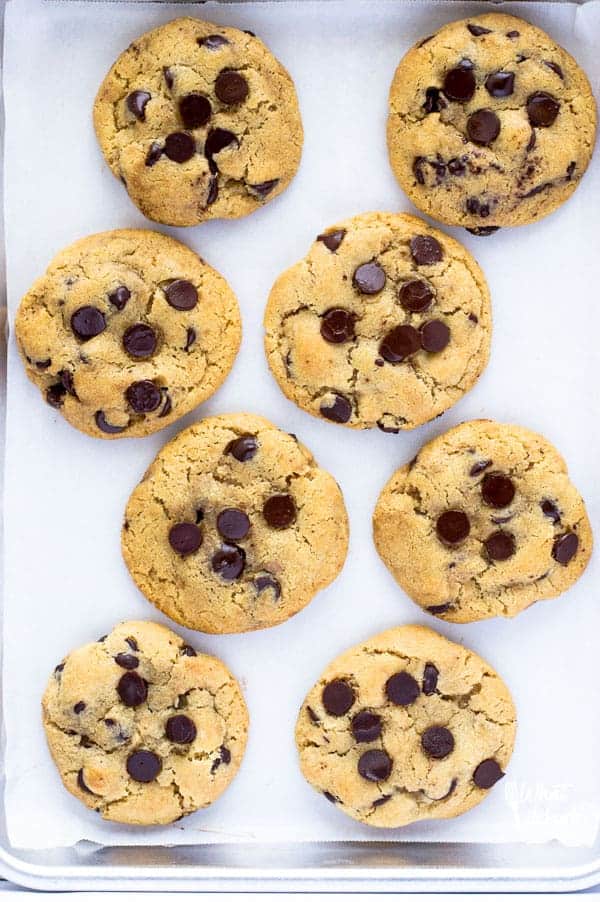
[86,742]
[233,524]
[43,364]
[435,335]
[453,527]
[402,689]
[127,662]
[131,643]
[565,547]
[313,717]
[332,240]
[550,510]
[497,490]
[438,608]
[459,83]
[375,765]
[337,325]
[87,322]
[391,430]
[263,189]
[479,467]
[132,689]
[416,296]
[154,154]
[456,166]
[500,546]
[143,396]
[555,68]
[542,109]
[79,707]
[143,766]
[243,448]
[180,729]
[181,294]
[195,110]
[487,773]
[434,100]
[379,361]
[81,782]
[231,87]
[180,147]
[339,410]
[477,207]
[483,127]
[366,726]
[425,250]
[229,561]
[400,343]
[338,697]
[169,77]
[430,679]
[104,426]
[224,758]
[185,538]
[279,511]
[213,41]
[59,667]
[136,104]
[266,581]
[571,170]
[513,34]
[140,340]
[218,139]
[437,742]
[482,232]
[478,30]
[55,395]
[188,652]
[119,297]
[369,278]
[381,801]
[500,84]
[66,378]
[213,190]
[190,338]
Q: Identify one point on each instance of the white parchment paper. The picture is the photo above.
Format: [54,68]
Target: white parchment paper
[65,583]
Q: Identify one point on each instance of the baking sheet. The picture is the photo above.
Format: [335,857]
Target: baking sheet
[65,583]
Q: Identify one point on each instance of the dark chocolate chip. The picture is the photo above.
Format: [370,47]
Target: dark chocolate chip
[140,340]
[542,109]
[279,511]
[154,154]
[571,170]
[332,240]
[266,581]
[453,527]
[81,782]
[86,742]
[565,548]
[483,127]
[425,250]
[379,361]
[213,41]
[391,430]
[132,689]
[180,729]
[338,697]
[434,100]
[104,426]
[180,147]
[487,773]
[497,490]
[366,726]
[188,652]
[375,765]
[143,396]
[169,77]
[479,467]
[119,297]
[438,608]
[437,742]
[513,34]
[167,406]
[79,707]
[435,335]
[313,717]
[381,801]
[225,755]
[185,538]
[500,84]
[233,524]
[213,190]
[500,546]
[482,232]
[430,679]
[231,87]
[243,448]
[330,797]
[181,294]
[131,643]
[416,296]
[43,364]
[66,378]
[218,139]
[477,207]
[339,410]
[400,343]
[551,510]
[136,104]
[337,325]
[190,338]
[229,561]
[456,166]
[59,667]
[143,766]
[478,30]
[555,68]
[127,662]
[402,688]
[263,189]
[55,395]
[87,322]
[195,110]
[459,83]
[369,278]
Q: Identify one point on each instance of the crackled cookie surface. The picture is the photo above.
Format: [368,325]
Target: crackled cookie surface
[127,331]
[406,726]
[491,123]
[482,523]
[386,322]
[199,122]
[142,728]
[234,527]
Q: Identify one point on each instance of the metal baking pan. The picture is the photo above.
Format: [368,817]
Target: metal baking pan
[331,867]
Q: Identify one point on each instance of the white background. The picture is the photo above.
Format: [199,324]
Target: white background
[65,493]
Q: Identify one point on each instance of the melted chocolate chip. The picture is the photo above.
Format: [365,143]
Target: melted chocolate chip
[425,250]
[195,110]
[437,742]
[231,87]
[456,166]
[483,127]
[185,538]
[416,296]
[500,84]
[551,510]
[87,322]
[479,467]
[375,765]
[143,766]
[369,278]
[181,294]
[565,548]
[337,325]
[453,527]
[487,773]
[402,689]
[136,104]
[542,109]
[190,338]
[179,147]
[127,662]
[459,83]
[366,726]
[478,30]
[213,41]
[154,154]
[338,410]
[400,343]
[500,546]
[217,140]
[119,297]
[338,697]
[55,395]
[497,490]
[180,729]
[233,524]
[279,511]
[132,689]
[143,396]
[266,581]
[435,335]
[434,101]
[263,189]
[430,679]
[140,340]
[243,448]
[229,561]
[332,240]
[104,426]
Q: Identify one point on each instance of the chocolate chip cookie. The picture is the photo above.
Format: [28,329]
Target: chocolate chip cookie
[127,331]
[491,123]
[386,322]
[406,726]
[199,122]
[482,523]
[234,527]
[142,728]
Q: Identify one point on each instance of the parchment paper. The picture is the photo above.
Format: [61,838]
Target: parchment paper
[65,583]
